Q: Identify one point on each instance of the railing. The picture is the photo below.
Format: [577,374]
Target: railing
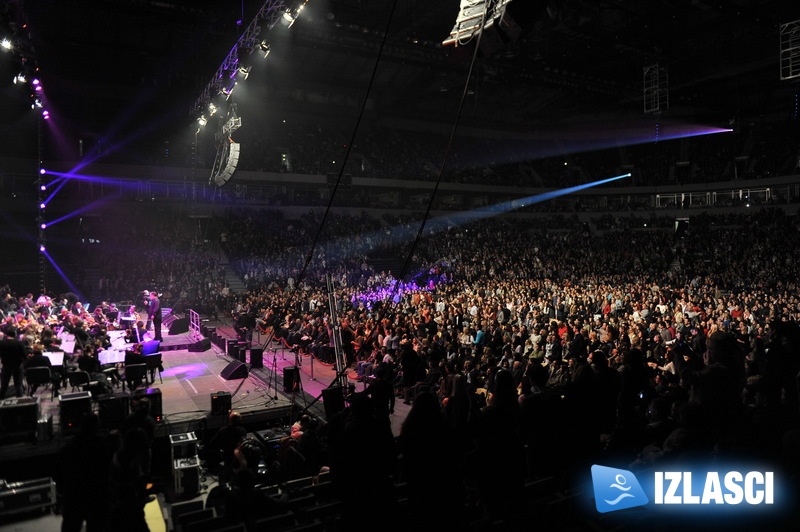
[194,324]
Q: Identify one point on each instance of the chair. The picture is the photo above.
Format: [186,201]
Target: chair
[153,363]
[185,520]
[135,375]
[180,508]
[80,380]
[39,376]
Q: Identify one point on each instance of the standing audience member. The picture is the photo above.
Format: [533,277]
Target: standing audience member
[82,478]
[12,355]
[128,482]
[426,446]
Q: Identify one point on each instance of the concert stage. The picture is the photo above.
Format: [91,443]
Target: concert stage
[269,398]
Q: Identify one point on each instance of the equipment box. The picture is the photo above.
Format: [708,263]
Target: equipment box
[18,497]
[186,476]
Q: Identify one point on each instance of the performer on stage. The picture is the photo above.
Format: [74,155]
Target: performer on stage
[154,315]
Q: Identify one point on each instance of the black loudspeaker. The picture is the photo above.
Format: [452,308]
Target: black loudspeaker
[232,348]
[113,409]
[200,346]
[154,397]
[333,400]
[220,403]
[291,379]
[234,370]
[179,326]
[256,357]
[72,408]
[19,418]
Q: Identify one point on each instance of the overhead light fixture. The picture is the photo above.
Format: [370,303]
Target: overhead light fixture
[289,16]
[37,104]
[202,120]
[212,109]
[265,47]
[5,44]
[227,91]
[244,71]
[46,114]
[20,78]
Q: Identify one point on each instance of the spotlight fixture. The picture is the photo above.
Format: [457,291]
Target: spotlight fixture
[289,16]
[227,91]
[244,71]
[20,78]
[5,44]
[212,109]
[41,248]
[202,120]
[46,114]
[265,47]
[37,103]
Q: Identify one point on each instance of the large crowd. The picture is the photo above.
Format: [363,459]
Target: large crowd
[549,347]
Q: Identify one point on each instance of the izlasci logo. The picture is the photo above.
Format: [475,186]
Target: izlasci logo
[616,489]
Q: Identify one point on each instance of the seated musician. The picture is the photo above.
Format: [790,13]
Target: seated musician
[88,362]
[37,360]
[135,334]
[134,356]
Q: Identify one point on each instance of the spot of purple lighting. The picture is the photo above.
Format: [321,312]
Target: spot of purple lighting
[186,371]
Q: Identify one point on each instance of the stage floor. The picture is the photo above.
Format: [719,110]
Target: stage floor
[191,378]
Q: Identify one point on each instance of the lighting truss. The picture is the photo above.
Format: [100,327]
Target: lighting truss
[265,19]
[470,20]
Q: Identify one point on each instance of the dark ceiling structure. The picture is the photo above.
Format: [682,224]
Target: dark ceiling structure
[135,67]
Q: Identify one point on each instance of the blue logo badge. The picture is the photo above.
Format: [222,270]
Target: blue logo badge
[616,489]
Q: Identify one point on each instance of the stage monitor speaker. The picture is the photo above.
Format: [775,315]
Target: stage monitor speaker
[19,418]
[72,408]
[200,346]
[333,400]
[234,370]
[167,321]
[220,403]
[113,409]
[179,326]
[256,357]
[153,395]
[291,379]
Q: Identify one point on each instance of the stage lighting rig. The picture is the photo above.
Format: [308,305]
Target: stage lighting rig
[471,20]
[269,14]
[265,48]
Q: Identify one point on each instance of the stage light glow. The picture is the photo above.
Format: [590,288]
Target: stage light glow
[5,44]
[46,114]
[20,78]
[42,205]
[42,248]
[43,188]
[244,71]
[43,226]
[212,109]
[35,82]
[202,120]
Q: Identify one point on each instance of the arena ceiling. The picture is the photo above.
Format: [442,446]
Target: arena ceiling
[137,66]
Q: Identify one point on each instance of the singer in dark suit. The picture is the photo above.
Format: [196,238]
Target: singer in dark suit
[154,314]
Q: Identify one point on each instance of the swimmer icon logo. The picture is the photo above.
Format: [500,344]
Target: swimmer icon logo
[616,489]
